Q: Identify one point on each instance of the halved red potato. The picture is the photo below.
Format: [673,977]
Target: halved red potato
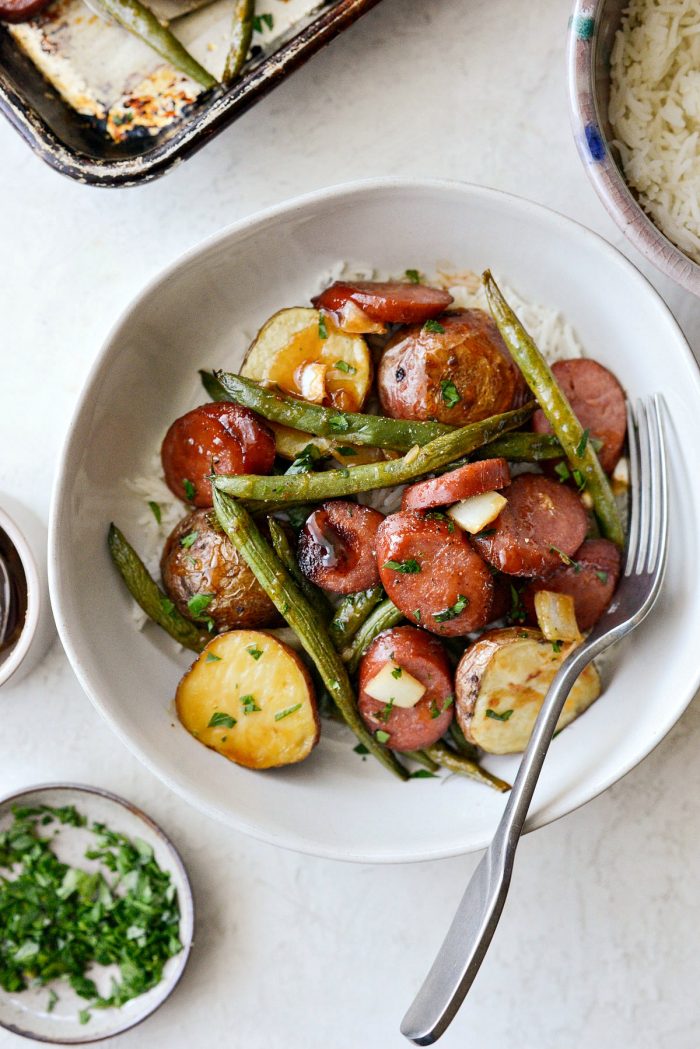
[251,698]
[501,682]
[304,354]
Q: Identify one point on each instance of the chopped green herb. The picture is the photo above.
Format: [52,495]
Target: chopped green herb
[447,703]
[167,605]
[562,471]
[211,658]
[322,329]
[190,490]
[306,461]
[361,749]
[581,447]
[84,1016]
[450,394]
[155,510]
[408,567]
[343,366]
[434,326]
[263,20]
[51,1004]
[249,705]
[603,576]
[579,480]
[423,774]
[219,719]
[453,611]
[287,711]
[434,709]
[397,672]
[339,423]
[564,557]
[385,713]
[416,615]
[413,276]
[517,612]
[346,450]
[437,515]
[381,736]
[499,717]
[556,647]
[197,604]
[188,540]
[254,652]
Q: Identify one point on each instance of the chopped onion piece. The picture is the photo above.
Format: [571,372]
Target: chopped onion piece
[475,513]
[621,473]
[556,616]
[353,320]
[393,684]
[312,381]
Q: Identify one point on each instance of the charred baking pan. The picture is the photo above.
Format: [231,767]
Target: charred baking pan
[75,147]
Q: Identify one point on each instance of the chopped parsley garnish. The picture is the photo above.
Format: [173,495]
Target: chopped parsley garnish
[562,471]
[167,605]
[434,326]
[211,658]
[58,921]
[219,719]
[447,703]
[339,423]
[434,709]
[197,604]
[381,736]
[556,647]
[408,567]
[517,612]
[603,576]
[190,490]
[499,717]
[416,615]
[287,711]
[361,749]
[413,276]
[437,515]
[581,447]
[188,540]
[579,480]
[385,713]
[263,20]
[453,611]
[306,461]
[563,557]
[422,774]
[343,366]
[322,329]
[155,510]
[249,705]
[450,394]
[397,672]
[254,651]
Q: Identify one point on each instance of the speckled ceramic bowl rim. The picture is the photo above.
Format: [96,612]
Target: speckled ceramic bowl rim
[188,910]
[597,157]
[36,595]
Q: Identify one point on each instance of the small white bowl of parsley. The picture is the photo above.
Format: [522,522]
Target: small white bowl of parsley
[96,914]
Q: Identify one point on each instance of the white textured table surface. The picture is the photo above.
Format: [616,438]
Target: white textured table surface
[598,943]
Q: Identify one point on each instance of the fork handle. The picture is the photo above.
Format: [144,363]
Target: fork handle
[463,949]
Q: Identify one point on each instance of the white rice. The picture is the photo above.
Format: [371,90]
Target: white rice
[655,113]
[551,331]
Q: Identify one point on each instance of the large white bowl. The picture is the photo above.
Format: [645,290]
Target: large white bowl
[336,804]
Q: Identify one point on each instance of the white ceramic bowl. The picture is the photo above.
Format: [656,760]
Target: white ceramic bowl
[336,804]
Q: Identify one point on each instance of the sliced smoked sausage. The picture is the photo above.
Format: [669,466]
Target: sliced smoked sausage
[214,438]
[590,580]
[389,302]
[422,656]
[337,547]
[542,524]
[486,475]
[598,402]
[456,370]
[432,574]
[21,10]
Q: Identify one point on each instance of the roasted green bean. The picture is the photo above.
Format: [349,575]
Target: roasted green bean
[241,35]
[283,549]
[555,405]
[384,616]
[454,762]
[314,487]
[148,595]
[351,614]
[301,616]
[139,20]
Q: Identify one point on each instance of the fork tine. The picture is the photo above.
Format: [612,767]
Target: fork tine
[657,548]
[633,527]
[645,487]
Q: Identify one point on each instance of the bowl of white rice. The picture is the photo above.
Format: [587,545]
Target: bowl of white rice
[634,83]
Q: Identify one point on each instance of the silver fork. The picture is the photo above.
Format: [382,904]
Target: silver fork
[474,924]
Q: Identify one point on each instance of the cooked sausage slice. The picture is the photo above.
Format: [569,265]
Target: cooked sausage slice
[207,578]
[472,479]
[543,524]
[432,574]
[214,438]
[422,656]
[598,402]
[21,10]
[337,547]
[391,302]
[590,581]
[457,371]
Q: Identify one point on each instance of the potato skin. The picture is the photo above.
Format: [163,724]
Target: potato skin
[470,353]
[533,664]
[211,565]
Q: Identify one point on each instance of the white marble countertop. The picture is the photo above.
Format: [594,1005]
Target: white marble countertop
[598,942]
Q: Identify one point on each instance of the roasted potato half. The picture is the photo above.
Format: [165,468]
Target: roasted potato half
[207,579]
[250,697]
[301,351]
[501,683]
